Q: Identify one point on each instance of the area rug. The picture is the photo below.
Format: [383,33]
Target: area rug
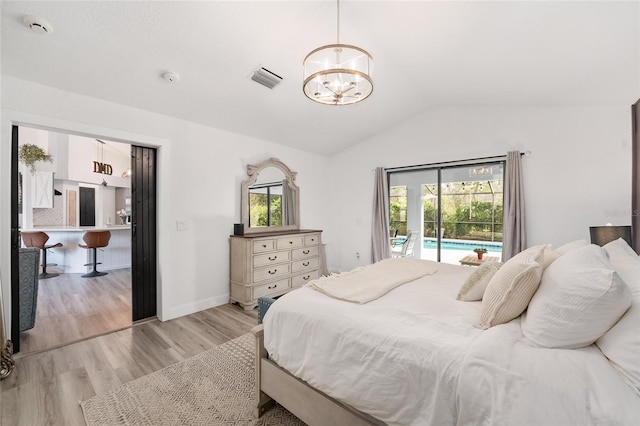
[215,387]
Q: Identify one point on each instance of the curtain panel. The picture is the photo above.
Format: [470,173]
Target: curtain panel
[288,206]
[514,237]
[380,246]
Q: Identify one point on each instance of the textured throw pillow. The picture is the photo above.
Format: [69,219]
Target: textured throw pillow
[549,255]
[621,344]
[579,299]
[566,248]
[511,288]
[474,286]
[621,255]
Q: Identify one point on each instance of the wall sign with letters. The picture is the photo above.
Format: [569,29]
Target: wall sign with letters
[103,168]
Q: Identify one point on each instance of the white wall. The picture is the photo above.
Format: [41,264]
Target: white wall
[578,174]
[200,171]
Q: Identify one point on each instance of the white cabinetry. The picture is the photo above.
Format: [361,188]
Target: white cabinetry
[42,190]
[273,264]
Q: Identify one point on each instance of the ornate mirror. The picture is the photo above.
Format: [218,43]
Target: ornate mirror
[270,198]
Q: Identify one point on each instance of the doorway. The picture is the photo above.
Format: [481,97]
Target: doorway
[87,206]
[114,301]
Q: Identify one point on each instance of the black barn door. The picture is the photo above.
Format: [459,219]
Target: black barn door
[635,176]
[143,230]
[15,244]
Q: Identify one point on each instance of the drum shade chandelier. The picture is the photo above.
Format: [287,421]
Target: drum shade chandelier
[338,74]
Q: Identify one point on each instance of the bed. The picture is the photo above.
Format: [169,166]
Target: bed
[416,355]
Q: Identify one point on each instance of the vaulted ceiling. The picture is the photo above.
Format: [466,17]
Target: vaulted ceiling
[426,54]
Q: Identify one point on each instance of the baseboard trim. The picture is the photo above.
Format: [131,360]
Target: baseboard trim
[191,308]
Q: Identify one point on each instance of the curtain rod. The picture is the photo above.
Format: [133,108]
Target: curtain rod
[454,163]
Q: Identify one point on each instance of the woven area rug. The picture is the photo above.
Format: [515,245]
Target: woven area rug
[215,387]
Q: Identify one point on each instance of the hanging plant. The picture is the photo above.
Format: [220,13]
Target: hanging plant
[29,154]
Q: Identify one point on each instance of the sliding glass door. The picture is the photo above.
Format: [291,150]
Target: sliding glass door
[413,207]
[454,209]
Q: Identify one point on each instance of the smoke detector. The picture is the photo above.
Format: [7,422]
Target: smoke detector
[171,77]
[37,24]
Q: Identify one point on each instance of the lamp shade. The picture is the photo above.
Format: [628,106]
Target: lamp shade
[602,235]
[338,74]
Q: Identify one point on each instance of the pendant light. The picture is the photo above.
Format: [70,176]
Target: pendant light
[338,74]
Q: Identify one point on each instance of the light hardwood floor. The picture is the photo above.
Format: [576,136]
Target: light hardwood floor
[46,388]
[71,308]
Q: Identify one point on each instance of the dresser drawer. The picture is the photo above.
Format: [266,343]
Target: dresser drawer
[271,258]
[303,253]
[271,272]
[261,246]
[302,279]
[289,242]
[267,289]
[312,240]
[302,265]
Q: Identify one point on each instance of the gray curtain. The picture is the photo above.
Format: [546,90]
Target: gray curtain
[288,206]
[380,245]
[514,237]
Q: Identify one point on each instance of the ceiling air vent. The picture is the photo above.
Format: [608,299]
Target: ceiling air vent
[266,78]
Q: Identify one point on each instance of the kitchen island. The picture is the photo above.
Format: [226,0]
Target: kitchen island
[71,258]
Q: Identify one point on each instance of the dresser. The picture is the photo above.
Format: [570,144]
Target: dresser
[272,264]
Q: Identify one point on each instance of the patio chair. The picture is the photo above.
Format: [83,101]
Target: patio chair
[406,250]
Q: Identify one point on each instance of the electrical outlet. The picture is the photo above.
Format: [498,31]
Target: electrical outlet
[358,255]
[180,225]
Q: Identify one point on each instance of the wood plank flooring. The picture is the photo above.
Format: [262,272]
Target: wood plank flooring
[72,308]
[46,388]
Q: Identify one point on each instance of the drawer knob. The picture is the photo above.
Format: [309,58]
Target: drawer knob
[290,242]
[306,277]
[306,251]
[274,258]
[271,287]
[305,264]
[313,239]
[273,272]
[264,246]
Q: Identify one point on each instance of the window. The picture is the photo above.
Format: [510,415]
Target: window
[455,208]
[265,205]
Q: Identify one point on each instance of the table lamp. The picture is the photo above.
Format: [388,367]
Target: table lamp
[602,235]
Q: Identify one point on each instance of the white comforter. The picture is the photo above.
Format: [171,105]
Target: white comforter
[413,357]
[505,381]
[396,358]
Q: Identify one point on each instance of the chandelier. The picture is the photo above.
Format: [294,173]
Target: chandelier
[338,74]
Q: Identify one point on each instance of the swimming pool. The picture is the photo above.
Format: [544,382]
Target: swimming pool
[462,245]
[491,246]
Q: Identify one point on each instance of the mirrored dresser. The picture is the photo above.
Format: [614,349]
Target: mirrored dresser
[272,255]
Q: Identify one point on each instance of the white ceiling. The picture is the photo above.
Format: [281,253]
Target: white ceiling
[426,54]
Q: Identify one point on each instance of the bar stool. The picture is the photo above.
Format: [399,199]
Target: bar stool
[39,240]
[95,240]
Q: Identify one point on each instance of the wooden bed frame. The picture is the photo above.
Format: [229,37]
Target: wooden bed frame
[313,407]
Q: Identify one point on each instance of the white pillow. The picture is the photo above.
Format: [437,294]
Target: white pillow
[566,248]
[621,344]
[511,288]
[621,255]
[474,286]
[579,299]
